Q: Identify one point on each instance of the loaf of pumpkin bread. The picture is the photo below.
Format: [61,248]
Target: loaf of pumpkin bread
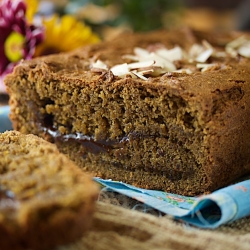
[166,110]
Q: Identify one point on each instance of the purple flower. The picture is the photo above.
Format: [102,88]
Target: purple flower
[18,38]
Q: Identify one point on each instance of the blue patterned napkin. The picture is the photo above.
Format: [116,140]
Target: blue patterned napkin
[5,123]
[208,211]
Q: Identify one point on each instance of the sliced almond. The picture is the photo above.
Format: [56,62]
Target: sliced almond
[206,66]
[195,50]
[206,44]
[139,75]
[171,54]
[141,64]
[204,56]
[244,50]
[162,62]
[140,52]
[99,65]
[120,70]
[237,42]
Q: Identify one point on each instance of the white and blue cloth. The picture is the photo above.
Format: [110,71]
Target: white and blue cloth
[207,211]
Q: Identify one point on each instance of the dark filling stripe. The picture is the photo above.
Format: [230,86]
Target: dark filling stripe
[93,146]
[100,146]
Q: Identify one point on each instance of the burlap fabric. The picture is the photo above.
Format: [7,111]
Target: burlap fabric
[118,226]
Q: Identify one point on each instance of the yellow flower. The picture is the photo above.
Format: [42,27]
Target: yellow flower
[13,46]
[32,7]
[64,34]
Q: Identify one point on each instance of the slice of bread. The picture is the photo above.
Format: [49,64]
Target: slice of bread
[45,200]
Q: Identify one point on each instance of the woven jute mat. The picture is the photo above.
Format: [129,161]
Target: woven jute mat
[122,223]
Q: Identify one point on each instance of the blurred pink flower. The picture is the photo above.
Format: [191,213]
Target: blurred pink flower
[18,38]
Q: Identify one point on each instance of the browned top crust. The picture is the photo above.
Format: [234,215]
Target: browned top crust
[76,67]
